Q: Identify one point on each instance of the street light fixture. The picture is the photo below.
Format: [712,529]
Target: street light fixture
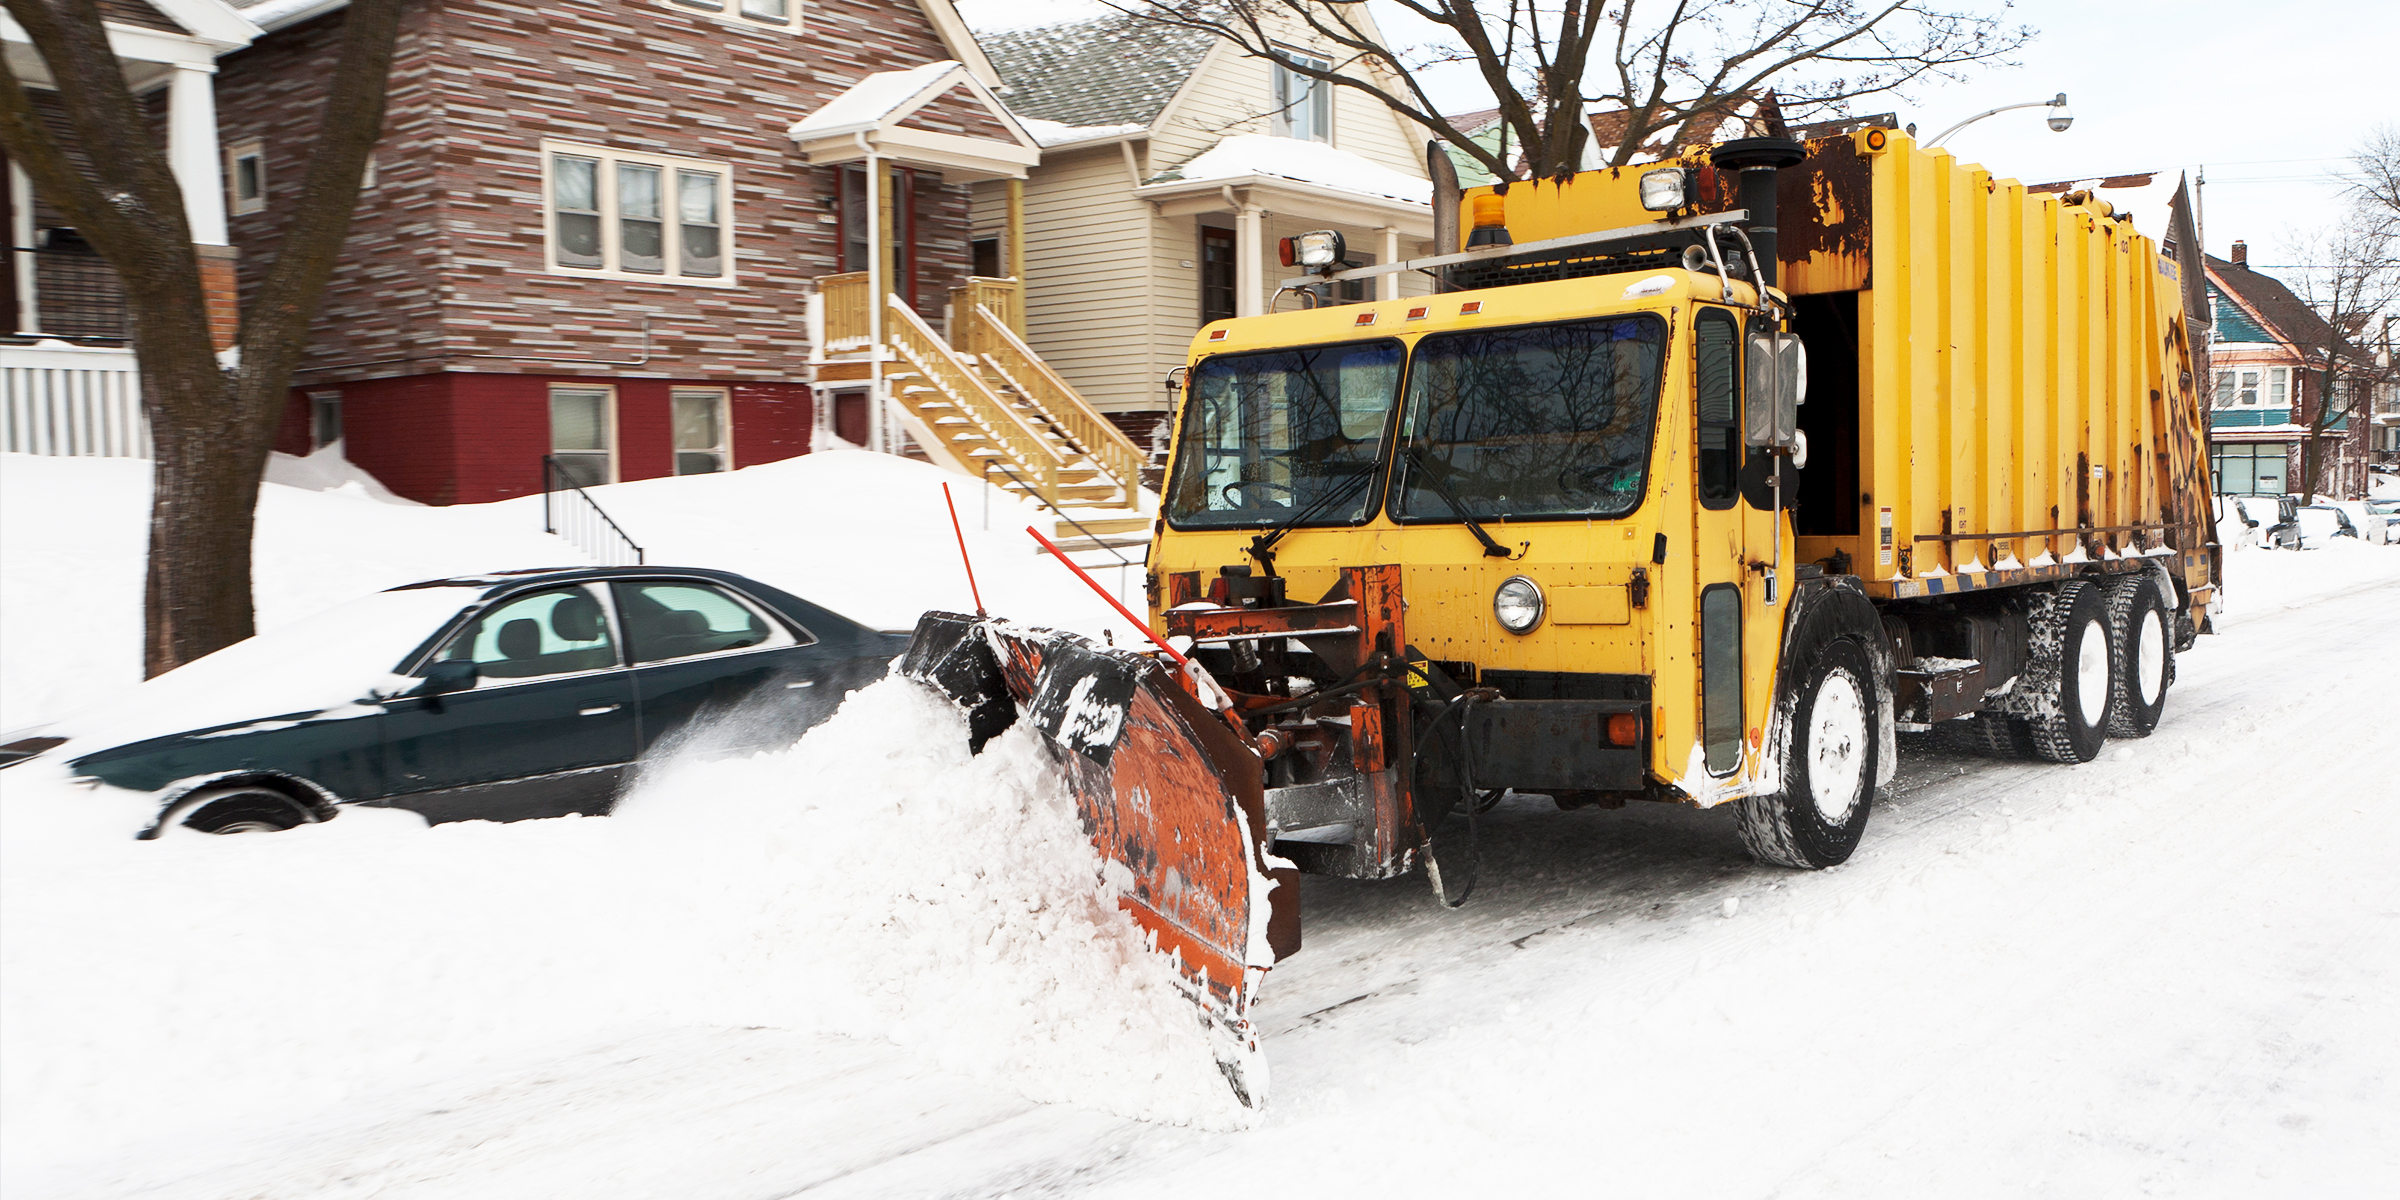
[2060,118]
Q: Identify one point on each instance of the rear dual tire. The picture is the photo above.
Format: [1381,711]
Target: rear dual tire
[2142,641]
[2070,674]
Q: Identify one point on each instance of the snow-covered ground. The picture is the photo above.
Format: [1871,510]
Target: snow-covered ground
[871,965]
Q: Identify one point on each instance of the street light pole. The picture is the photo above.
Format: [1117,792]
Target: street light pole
[2060,118]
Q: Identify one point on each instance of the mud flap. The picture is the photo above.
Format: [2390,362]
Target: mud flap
[1172,797]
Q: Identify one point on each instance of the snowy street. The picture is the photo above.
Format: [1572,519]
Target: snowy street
[2170,971]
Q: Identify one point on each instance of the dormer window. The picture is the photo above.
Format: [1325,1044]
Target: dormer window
[1303,105]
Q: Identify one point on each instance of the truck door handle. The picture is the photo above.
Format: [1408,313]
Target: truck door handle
[599,710]
[801,684]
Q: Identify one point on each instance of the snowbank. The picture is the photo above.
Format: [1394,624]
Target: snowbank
[874,881]
[863,534]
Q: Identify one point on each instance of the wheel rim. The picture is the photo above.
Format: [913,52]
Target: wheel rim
[1836,752]
[2153,655]
[2091,673]
[247,827]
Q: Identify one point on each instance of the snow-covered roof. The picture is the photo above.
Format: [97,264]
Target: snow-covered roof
[1256,154]
[1059,133]
[866,103]
[271,15]
[1108,70]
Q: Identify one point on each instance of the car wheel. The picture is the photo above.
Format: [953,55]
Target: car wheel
[244,809]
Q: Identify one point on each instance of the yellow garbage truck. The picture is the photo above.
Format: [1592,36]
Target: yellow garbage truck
[1697,482]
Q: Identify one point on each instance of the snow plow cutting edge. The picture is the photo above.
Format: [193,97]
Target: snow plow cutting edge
[1170,792]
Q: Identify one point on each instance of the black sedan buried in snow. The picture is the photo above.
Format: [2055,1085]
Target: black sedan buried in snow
[499,697]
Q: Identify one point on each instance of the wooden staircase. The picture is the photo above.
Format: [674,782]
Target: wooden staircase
[990,407]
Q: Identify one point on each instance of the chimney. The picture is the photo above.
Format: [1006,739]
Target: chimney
[2241,255]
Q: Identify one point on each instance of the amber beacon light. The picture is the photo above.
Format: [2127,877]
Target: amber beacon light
[1491,222]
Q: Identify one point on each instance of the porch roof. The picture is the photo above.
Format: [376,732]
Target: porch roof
[1293,177]
[869,117]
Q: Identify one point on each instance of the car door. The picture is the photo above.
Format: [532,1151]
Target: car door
[702,652]
[550,727]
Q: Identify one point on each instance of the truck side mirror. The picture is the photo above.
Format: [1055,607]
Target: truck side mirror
[1778,387]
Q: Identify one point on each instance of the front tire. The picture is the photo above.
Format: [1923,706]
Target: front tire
[1829,767]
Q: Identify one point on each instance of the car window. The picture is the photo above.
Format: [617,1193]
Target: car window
[557,631]
[666,620]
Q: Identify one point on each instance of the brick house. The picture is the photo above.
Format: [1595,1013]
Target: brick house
[590,232]
[2267,351]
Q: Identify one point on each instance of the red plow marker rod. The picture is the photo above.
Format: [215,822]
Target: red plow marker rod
[1122,611]
[962,550]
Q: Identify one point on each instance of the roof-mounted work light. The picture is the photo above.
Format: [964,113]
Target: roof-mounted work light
[1314,249]
[1667,190]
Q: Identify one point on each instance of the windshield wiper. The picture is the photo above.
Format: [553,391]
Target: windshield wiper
[1491,549]
[1262,547]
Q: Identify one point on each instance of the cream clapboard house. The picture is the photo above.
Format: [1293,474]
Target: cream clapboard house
[1172,163]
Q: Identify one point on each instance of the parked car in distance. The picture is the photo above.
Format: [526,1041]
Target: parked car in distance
[2389,510]
[2270,517]
[2319,524]
[499,697]
[2370,526]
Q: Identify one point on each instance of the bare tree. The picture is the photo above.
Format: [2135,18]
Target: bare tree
[1665,63]
[212,424]
[2354,284]
[2374,177]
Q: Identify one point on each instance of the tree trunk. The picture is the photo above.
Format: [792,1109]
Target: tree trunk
[204,491]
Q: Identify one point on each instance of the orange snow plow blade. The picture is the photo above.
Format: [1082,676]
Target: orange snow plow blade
[1166,789]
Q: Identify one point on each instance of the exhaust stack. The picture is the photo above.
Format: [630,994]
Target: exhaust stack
[1754,162]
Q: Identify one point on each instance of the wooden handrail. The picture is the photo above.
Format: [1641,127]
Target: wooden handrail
[1001,296]
[1094,436]
[915,341]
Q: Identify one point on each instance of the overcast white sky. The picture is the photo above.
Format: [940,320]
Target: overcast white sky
[2270,97]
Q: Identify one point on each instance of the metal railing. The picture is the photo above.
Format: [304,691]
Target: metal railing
[571,513]
[76,294]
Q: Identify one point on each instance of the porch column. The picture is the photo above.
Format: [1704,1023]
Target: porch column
[1387,287]
[193,157]
[1248,260]
[192,150]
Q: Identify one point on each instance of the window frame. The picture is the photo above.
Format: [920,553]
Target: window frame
[729,12]
[473,616]
[794,635]
[319,403]
[670,167]
[255,150]
[608,423]
[1317,96]
[724,447]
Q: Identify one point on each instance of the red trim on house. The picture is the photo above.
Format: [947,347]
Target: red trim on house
[459,438]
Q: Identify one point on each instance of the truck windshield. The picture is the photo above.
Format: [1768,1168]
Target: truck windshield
[1272,436]
[1537,421]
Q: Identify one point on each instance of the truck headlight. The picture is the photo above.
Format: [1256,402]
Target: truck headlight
[1518,604]
[1664,191]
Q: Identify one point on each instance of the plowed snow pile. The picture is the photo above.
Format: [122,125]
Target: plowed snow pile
[874,881]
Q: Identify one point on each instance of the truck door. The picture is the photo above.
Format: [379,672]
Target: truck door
[1720,537]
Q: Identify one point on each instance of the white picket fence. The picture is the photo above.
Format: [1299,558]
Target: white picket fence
[62,399]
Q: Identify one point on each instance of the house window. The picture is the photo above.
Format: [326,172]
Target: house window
[703,432]
[1216,274]
[1303,106]
[985,253]
[637,216]
[324,419]
[1348,291]
[782,14]
[2248,388]
[896,202]
[583,424]
[246,175]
